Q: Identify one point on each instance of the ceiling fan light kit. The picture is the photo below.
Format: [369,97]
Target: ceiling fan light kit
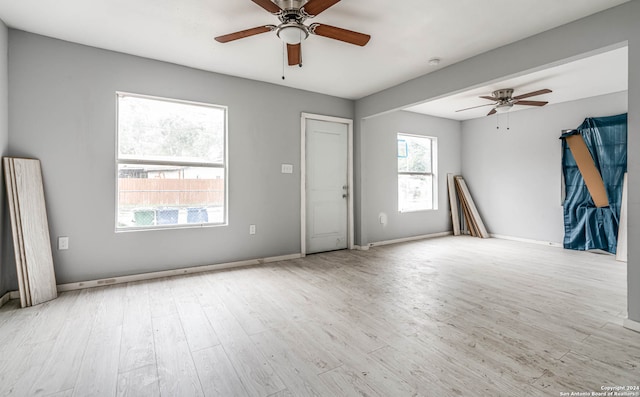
[293,31]
[503,108]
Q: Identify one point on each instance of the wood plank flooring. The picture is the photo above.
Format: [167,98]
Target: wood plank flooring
[453,316]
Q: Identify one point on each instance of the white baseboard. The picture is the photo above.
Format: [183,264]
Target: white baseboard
[5,298]
[407,239]
[632,325]
[169,273]
[526,240]
[361,247]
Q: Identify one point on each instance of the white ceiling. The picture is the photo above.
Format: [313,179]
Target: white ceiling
[600,74]
[405,35]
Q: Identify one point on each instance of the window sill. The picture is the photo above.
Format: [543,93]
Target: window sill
[420,210]
[171,227]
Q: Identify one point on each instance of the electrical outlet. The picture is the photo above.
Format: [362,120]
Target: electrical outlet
[252,229]
[63,243]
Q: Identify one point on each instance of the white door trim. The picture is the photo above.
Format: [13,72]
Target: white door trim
[303,177]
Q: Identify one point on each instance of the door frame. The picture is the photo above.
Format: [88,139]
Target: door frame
[303,177]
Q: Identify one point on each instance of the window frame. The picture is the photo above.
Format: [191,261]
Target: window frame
[223,165]
[433,173]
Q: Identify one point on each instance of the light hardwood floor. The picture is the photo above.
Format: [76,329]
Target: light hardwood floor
[454,316]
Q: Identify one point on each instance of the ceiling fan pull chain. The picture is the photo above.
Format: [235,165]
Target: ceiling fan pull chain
[284,54]
[507,121]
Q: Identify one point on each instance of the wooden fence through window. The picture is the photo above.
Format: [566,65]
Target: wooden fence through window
[138,192]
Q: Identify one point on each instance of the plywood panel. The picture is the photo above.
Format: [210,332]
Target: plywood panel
[16,230]
[468,220]
[471,206]
[471,225]
[453,204]
[31,229]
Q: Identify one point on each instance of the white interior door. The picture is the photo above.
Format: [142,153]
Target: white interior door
[327,189]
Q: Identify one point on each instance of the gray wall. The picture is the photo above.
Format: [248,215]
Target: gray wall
[515,175]
[62,103]
[380,180]
[596,33]
[6,272]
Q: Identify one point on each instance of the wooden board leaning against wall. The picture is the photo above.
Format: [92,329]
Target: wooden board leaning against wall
[463,208]
[30,230]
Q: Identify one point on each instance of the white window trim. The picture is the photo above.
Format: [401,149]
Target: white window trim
[224,165]
[433,173]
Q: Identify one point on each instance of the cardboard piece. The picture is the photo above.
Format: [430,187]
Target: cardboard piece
[587,167]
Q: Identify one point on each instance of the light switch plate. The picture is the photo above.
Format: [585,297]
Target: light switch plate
[287,168]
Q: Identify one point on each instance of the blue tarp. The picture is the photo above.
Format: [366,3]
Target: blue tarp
[586,226]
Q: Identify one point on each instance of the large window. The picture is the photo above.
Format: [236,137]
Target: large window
[417,182]
[171,163]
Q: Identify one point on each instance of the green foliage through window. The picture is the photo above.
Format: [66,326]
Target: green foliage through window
[159,129]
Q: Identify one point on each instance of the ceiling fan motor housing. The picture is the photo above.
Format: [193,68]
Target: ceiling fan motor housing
[504,94]
[290,4]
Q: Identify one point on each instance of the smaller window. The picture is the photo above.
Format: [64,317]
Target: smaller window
[417,181]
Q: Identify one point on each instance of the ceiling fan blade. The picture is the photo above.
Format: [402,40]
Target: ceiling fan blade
[493,111]
[244,33]
[315,7]
[474,107]
[332,32]
[531,103]
[534,93]
[269,6]
[294,54]
[489,98]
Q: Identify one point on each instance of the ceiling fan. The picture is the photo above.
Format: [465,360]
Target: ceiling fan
[292,30]
[504,100]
